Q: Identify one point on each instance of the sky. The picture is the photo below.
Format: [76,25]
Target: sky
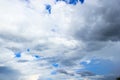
[59,39]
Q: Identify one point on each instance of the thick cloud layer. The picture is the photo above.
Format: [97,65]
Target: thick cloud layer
[48,40]
[102,22]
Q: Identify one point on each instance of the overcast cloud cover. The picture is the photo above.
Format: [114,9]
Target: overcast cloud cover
[78,41]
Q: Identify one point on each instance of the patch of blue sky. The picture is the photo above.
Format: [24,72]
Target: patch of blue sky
[18,54]
[78,70]
[98,66]
[73,2]
[28,50]
[48,8]
[56,65]
[37,56]
[53,72]
[82,1]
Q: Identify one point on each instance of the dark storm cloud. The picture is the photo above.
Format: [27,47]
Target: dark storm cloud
[7,73]
[102,23]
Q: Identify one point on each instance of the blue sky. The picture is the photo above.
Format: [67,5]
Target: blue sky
[59,39]
[100,67]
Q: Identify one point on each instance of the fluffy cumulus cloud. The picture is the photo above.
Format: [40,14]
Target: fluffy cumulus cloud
[59,39]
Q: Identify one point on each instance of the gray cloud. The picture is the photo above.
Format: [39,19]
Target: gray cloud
[13,37]
[95,45]
[7,73]
[82,73]
[110,77]
[86,73]
[102,22]
[65,72]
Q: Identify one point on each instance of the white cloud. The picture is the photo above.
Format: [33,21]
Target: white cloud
[66,36]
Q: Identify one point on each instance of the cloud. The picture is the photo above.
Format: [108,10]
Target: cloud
[61,71]
[101,22]
[110,77]
[12,37]
[86,73]
[67,36]
[7,73]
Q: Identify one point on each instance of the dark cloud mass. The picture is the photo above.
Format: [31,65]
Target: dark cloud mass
[103,23]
